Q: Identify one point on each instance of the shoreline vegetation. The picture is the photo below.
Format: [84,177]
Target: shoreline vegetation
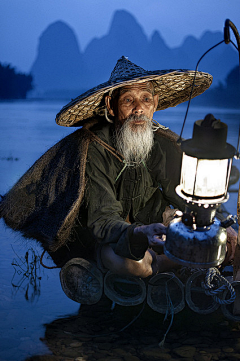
[13,84]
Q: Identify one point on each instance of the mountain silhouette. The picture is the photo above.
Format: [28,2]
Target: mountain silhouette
[61,68]
[125,37]
[59,65]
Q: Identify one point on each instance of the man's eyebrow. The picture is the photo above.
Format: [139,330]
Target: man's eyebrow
[123,90]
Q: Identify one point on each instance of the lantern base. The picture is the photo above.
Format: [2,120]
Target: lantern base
[203,247]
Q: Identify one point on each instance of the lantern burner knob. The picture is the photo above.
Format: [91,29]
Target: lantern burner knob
[187,219]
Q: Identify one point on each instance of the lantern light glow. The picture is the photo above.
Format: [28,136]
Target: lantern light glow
[204,178]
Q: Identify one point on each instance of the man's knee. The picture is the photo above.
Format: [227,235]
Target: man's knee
[126,266]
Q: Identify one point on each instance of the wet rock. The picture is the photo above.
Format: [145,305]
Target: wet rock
[224,323]
[185,351]
[70,353]
[235,356]
[105,346]
[204,346]
[110,358]
[203,357]
[76,344]
[131,358]
[206,334]
[192,341]
[104,338]
[119,351]
[214,358]
[43,358]
[147,340]
[100,355]
[175,345]
[227,349]
[209,340]
[157,353]
[225,334]
[213,350]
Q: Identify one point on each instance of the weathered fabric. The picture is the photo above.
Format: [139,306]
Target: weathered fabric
[50,202]
[45,202]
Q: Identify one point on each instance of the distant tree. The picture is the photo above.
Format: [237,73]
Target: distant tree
[14,85]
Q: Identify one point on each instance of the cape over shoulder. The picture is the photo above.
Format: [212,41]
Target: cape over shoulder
[52,189]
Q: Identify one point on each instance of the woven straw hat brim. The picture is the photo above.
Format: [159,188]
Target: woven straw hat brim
[172,86]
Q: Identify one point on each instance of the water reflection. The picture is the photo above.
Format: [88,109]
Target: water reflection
[26,275]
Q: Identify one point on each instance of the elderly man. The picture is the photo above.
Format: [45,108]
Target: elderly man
[103,194]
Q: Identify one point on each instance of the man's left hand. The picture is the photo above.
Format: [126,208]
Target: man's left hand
[155,233]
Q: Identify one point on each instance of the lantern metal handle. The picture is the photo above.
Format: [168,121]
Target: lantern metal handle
[227,40]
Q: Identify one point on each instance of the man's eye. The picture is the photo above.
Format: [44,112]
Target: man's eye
[147,99]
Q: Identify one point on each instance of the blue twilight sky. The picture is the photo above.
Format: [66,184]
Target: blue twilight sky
[22,21]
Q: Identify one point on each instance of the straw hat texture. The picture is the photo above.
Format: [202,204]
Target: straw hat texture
[172,86]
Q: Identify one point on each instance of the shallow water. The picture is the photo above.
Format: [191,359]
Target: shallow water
[32,297]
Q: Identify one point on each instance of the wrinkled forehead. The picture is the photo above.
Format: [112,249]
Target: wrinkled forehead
[146,86]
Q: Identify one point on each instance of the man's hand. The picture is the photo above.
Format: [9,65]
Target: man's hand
[231,242]
[230,247]
[155,233]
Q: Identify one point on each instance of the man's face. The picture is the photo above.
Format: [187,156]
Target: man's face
[133,107]
[137,99]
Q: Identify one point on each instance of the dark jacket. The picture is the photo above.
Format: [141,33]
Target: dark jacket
[49,203]
[139,195]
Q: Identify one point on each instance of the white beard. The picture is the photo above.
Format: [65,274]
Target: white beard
[134,141]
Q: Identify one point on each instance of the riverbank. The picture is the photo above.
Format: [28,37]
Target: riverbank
[93,335]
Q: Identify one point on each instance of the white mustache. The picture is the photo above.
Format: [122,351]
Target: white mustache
[135,117]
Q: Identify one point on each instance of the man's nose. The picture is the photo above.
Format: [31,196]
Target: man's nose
[138,109]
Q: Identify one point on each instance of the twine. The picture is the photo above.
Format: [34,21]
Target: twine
[210,289]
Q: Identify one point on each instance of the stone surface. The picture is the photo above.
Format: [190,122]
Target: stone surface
[185,351]
[191,337]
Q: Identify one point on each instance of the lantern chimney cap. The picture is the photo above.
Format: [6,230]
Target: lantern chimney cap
[210,121]
[209,140]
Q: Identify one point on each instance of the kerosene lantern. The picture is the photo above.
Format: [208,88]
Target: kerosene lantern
[197,238]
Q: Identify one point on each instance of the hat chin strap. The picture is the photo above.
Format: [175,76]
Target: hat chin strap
[106,115]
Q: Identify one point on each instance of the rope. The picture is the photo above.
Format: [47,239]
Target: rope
[210,289]
[170,310]
[126,164]
[156,126]
[112,150]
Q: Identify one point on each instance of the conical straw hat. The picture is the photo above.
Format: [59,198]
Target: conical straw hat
[172,86]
